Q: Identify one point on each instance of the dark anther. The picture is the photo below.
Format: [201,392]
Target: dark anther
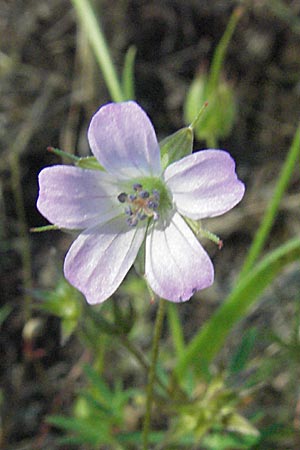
[144,194]
[152,204]
[132,221]
[137,187]
[122,197]
[128,211]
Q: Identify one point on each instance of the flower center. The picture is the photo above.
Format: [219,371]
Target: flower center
[145,198]
[140,204]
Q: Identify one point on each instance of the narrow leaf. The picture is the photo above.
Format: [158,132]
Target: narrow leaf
[175,328]
[206,344]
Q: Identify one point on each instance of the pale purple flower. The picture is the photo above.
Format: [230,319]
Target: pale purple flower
[134,201]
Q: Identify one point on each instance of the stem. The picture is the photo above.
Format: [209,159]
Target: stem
[220,52]
[135,352]
[272,209]
[152,371]
[140,358]
[99,45]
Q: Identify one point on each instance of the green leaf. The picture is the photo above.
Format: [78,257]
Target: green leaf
[228,441]
[89,432]
[135,437]
[206,344]
[128,74]
[242,354]
[273,207]
[175,328]
[176,146]
[97,381]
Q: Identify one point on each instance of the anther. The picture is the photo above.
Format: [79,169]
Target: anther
[152,204]
[144,194]
[128,211]
[132,197]
[137,187]
[122,197]
[132,221]
[142,216]
[156,194]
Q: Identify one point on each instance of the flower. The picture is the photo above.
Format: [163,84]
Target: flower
[133,201]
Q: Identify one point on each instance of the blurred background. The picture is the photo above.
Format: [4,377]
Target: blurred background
[50,86]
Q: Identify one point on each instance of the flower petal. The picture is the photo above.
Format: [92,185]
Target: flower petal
[123,140]
[204,184]
[176,263]
[75,198]
[100,257]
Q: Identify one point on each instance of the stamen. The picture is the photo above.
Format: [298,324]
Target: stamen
[140,205]
[128,211]
[144,194]
[132,221]
[152,204]
[142,216]
[122,197]
[137,187]
[156,194]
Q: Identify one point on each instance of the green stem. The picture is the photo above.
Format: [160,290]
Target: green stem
[99,45]
[152,371]
[272,209]
[220,52]
[140,358]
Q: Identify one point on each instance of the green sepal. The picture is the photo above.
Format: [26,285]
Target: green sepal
[63,154]
[86,162]
[176,146]
[89,162]
[44,228]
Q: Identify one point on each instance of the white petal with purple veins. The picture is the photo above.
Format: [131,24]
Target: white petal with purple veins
[75,198]
[123,140]
[176,264]
[100,257]
[204,184]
